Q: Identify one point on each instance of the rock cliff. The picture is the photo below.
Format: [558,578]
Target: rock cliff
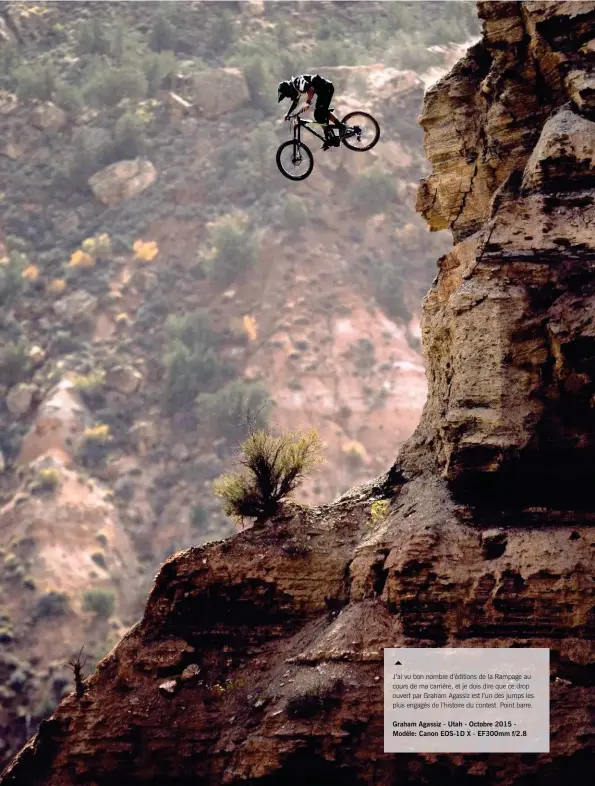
[259,659]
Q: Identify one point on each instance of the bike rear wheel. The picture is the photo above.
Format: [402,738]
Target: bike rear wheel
[367,131]
[295,160]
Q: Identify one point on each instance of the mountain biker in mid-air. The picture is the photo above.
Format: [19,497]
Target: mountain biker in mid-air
[311,86]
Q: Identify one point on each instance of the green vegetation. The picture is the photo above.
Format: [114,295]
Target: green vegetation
[90,385]
[102,602]
[35,82]
[109,86]
[51,604]
[129,136]
[373,191]
[191,360]
[232,406]
[273,467]
[261,83]
[13,363]
[199,516]
[46,481]
[6,631]
[11,281]
[234,248]
[95,446]
[386,274]
[163,34]
[379,510]
[92,38]
[98,558]
[69,98]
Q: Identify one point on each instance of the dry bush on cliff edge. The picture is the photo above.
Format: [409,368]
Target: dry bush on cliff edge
[273,468]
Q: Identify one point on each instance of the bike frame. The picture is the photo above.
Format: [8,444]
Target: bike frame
[307,124]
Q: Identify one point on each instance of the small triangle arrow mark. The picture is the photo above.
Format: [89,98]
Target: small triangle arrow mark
[398,663]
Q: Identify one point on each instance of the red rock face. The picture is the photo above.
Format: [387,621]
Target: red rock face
[487,538]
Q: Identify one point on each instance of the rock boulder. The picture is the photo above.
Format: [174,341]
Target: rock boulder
[48,117]
[122,180]
[19,399]
[220,91]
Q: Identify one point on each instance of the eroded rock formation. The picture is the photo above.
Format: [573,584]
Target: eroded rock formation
[259,659]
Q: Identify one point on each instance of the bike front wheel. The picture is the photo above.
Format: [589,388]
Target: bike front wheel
[295,160]
[363,131]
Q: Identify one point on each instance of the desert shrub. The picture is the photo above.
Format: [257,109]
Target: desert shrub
[229,155]
[373,191]
[69,98]
[46,481]
[245,165]
[333,53]
[363,354]
[11,277]
[273,467]
[91,150]
[199,516]
[102,602]
[129,136]
[354,453]
[157,68]
[261,85]
[386,275]
[92,38]
[295,213]
[10,58]
[328,28]
[35,82]
[191,360]
[6,634]
[98,558]
[379,510]
[108,86]
[50,605]
[232,406]
[222,31]
[98,247]
[13,363]
[233,251]
[163,35]
[90,385]
[260,143]
[416,58]
[95,446]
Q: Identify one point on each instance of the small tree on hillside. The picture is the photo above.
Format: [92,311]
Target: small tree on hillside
[272,468]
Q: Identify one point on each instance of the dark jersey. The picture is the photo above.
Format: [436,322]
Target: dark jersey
[320,85]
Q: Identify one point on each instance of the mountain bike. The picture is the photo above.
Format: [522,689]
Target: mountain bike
[295,159]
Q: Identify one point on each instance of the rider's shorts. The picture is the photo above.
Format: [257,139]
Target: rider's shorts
[323,102]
